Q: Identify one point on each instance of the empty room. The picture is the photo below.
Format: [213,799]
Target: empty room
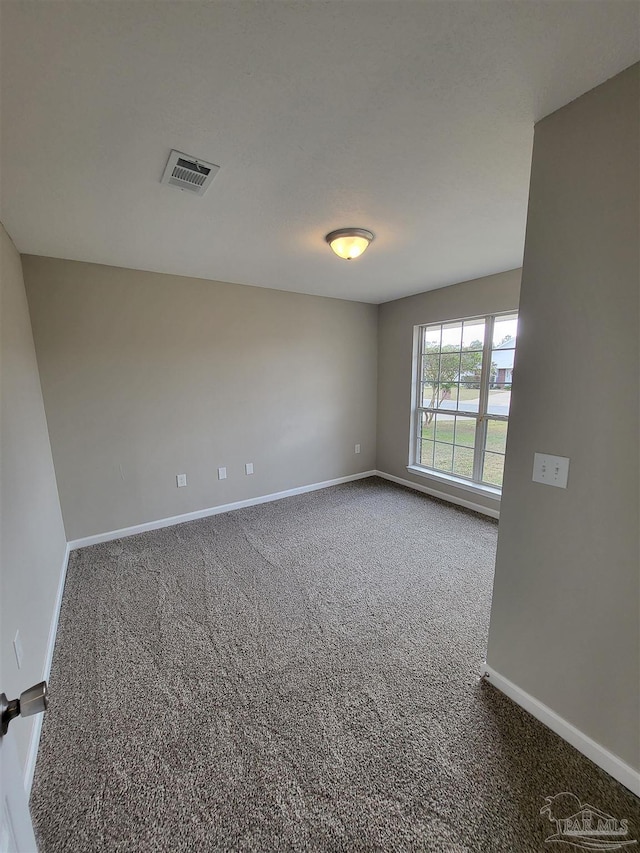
[319,425]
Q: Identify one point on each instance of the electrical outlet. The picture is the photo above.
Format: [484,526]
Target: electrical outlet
[222,473]
[17,648]
[181,480]
[550,470]
[248,468]
[357,448]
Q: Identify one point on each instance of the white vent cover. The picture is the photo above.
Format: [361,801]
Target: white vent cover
[188,173]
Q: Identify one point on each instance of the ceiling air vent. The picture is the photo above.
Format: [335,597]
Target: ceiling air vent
[188,173]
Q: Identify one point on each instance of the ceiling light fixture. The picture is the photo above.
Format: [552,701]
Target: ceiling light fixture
[349,243]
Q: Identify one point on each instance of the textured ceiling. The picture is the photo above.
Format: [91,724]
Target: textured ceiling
[412,119]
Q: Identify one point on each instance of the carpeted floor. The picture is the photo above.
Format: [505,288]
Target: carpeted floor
[296,676]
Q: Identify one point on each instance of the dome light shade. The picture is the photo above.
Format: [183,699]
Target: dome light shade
[349,243]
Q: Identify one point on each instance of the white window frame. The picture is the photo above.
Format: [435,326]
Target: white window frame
[474,484]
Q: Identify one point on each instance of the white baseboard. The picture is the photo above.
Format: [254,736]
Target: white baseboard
[215,510]
[445,496]
[614,766]
[36,729]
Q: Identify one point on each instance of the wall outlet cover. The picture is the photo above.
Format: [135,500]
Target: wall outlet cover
[248,468]
[222,473]
[181,480]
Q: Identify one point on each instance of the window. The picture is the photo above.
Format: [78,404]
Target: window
[464,371]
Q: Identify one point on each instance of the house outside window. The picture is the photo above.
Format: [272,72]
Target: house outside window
[462,395]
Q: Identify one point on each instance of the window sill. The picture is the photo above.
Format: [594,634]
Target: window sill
[458,482]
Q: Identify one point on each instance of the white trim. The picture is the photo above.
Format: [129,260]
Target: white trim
[445,496]
[34,741]
[458,482]
[614,766]
[215,510]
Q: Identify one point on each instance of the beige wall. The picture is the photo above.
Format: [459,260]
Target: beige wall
[395,356]
[564,623]
[32,543]
[146,376]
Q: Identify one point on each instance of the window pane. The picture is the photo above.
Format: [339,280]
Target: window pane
[452,335]
[496,436]
[449,366]
[502,366]
[471,366]
[499,400]
[468,397]
[430,367]
[465,431]
[449,397]
[473,335]
[431,363]
[426,453]
[505,329]
[431,339]
[428,395]
[427,426]
[463,461]
[444,428]
[493,468]
[443,457]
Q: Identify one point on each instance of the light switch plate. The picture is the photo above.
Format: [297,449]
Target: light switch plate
[248,468]
[550,470]
[222,473]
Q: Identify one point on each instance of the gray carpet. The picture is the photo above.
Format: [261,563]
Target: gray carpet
[296,676]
